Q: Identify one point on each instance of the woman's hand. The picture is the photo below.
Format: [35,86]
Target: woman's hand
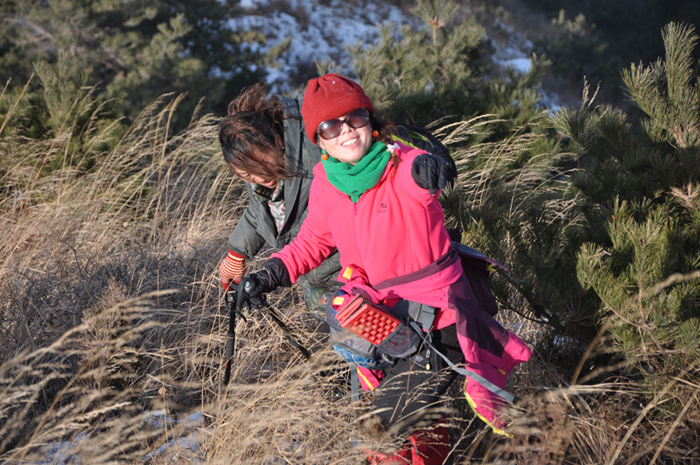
[252,289]
[254,286]
[431,172]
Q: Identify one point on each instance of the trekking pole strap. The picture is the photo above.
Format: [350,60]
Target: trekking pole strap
[508,397]
[354,381]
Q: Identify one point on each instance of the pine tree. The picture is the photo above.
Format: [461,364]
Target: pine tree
[577,49]
[138,50]
[437,72]
[641,198]
[600,231]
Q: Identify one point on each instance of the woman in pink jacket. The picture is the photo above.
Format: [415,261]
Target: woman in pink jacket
[375,200]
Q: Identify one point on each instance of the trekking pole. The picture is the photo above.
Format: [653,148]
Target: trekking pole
[285,330]
[283,327]
[231,297]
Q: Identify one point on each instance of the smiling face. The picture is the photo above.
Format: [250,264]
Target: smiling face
[350,145]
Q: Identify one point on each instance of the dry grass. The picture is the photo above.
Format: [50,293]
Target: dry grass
[113,333]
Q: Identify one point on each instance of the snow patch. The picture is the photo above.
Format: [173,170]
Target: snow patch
[318,33]
[323,32]
[522,65]
[64,452]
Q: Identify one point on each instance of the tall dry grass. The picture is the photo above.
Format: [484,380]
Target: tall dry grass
[113,330]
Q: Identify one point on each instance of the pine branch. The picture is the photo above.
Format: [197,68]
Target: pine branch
[676,278]
[679,41]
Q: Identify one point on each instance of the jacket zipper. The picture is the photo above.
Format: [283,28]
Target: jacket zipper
[355,232]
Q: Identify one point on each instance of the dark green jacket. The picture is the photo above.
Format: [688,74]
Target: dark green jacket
[256,226]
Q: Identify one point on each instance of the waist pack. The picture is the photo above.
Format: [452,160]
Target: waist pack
[362,352]
[368,334]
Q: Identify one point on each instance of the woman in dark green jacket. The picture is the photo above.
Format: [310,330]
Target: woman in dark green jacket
[264,143]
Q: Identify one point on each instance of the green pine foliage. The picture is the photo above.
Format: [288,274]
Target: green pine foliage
[577,49]
[513,205]
[640,198]
[604,36]
[438,72]
[63,91]
[668,92]
[407,77]
[74,132]
[137,50]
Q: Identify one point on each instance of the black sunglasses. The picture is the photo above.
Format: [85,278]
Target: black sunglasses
[333,127]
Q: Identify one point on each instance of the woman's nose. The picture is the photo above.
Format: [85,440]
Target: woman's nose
[345,127]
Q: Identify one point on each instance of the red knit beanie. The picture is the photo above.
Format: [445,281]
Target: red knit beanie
[328,97]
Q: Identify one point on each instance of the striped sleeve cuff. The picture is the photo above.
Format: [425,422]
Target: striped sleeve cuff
[232,268]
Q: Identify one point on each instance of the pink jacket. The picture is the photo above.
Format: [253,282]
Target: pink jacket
[394,229]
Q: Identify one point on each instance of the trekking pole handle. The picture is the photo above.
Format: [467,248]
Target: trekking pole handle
[231,297]
[248,286]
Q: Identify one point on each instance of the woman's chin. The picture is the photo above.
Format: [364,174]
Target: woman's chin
[349,157]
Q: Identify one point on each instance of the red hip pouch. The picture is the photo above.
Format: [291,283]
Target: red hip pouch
[366,320]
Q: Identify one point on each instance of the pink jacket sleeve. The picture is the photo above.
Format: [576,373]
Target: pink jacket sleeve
[314,243]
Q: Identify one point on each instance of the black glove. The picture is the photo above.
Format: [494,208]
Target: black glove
[432,172]
[254,286]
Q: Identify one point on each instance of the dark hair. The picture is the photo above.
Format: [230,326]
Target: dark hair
[253,129]
[385,127]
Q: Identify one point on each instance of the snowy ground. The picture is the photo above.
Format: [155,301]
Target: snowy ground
[322,29]
[64,452]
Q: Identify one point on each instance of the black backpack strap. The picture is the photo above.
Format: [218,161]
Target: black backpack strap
[421,138]
[427,316]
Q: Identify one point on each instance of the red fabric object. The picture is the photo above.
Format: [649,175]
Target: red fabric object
[369,379]
[430,446]
[329,97]
[232,268]
[444,318]
[484,403]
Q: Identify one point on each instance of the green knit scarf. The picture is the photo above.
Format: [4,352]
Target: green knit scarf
[358,179]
